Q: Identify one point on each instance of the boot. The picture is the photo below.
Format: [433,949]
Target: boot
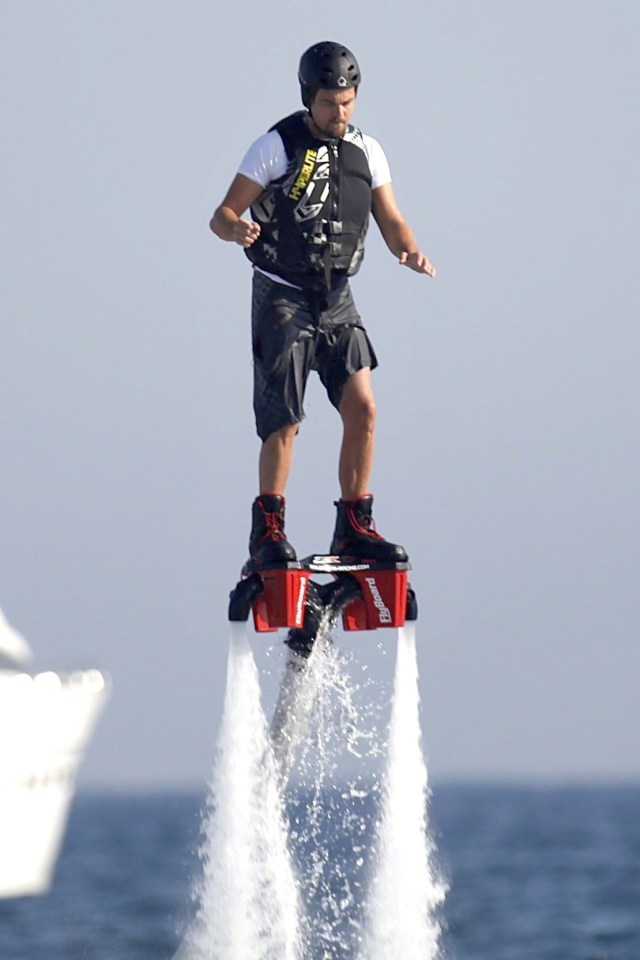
[355,534]
[268,543]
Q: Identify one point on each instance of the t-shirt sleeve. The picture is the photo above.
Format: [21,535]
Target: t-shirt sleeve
[265,160]
[378,163]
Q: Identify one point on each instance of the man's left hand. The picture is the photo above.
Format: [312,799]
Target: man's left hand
[418,262]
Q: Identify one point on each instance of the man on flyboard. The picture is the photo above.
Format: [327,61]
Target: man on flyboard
[311,184]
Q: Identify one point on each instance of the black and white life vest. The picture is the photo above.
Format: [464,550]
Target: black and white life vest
[314,218]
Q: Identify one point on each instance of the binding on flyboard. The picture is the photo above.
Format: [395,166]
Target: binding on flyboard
[369,594]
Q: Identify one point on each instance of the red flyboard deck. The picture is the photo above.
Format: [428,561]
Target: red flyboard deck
[283,602]
[382,604]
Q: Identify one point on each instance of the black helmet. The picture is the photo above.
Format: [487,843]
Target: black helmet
[328,65]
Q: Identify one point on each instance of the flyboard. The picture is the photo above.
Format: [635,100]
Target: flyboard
[365,594]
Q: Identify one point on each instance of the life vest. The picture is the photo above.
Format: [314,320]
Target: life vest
[314,219]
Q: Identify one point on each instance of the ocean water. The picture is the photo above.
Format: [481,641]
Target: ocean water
[534,873]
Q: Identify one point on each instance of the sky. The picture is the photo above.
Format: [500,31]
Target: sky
[508,392]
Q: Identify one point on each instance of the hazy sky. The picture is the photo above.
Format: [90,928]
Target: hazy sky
[508,388]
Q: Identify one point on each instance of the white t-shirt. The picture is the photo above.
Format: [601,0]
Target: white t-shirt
[266,158]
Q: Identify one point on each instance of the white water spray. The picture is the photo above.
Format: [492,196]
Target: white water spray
[292,713]
[404,894]
[248,906]
[314,706]
[317,720]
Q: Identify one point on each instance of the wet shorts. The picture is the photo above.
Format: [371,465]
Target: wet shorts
[294,332]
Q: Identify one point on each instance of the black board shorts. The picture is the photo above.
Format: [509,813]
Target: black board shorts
[294,332]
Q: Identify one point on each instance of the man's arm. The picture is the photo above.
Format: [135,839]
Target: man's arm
[227,222]
[396,232]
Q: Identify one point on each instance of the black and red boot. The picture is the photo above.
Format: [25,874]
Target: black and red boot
[356,536]
[268,543]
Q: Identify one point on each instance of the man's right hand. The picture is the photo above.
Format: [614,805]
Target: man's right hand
[245,232]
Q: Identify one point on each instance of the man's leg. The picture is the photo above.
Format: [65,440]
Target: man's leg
[276,455]
[268,542]
[355,532]
[358,412]
[283,340]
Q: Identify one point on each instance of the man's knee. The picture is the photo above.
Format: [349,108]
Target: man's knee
[366,413]
[284,435]
[358,409]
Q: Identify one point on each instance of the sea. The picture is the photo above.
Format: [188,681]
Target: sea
[534,872]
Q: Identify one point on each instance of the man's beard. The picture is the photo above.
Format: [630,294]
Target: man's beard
[335,130]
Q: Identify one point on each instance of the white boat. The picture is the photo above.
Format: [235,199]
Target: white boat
[46,720]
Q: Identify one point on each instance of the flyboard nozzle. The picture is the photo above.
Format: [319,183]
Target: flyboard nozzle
[243,597]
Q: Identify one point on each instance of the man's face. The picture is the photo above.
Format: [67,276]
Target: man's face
[331,111]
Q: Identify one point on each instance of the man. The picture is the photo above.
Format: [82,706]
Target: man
[311,183]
